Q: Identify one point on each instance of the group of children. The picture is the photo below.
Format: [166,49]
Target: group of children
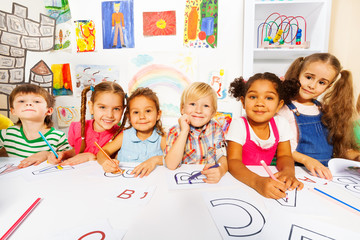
[284,124]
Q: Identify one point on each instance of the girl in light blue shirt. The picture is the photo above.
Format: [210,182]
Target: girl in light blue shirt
[143,141]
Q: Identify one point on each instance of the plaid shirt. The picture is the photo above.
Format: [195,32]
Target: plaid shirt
[206,145]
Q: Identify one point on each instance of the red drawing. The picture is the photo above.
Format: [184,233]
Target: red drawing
[159,23]
[91,233]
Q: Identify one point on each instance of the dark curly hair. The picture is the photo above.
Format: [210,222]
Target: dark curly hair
[287,89]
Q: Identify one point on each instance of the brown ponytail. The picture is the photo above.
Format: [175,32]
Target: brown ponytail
[338,114]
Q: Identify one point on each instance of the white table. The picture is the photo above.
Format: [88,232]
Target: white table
[78,197]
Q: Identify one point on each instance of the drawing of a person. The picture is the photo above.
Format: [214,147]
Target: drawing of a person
[118,24]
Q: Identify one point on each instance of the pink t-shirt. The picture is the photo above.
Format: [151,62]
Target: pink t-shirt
[74,136]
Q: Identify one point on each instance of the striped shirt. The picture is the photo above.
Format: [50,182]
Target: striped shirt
[205,145]
[17,145]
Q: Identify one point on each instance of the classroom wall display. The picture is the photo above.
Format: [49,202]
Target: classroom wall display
[166,74]
[85,35]
[224,119]
[67,114]
[19,35]
[218,83]
[62,79]
[201,23]
[60,11]
[87,75]
[159,23]
[118,24]
[41,75]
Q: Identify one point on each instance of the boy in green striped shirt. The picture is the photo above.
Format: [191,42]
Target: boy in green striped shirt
[33,105]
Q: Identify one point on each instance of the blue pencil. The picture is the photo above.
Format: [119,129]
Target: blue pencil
[199,173]
[51,148]
[337,199]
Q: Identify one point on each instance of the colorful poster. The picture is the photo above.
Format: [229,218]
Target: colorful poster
[166,74]
[87,75]
[159,23]
[118,24]
[62,79]
[200,26]
[85,35]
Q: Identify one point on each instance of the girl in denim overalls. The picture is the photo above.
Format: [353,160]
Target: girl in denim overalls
[322,130]
[260,135]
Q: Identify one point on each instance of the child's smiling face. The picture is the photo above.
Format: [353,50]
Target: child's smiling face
[200,111]
[261,102]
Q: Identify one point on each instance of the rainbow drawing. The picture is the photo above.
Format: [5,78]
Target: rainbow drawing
[156,75]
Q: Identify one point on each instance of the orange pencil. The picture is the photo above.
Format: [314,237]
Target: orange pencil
[108,157]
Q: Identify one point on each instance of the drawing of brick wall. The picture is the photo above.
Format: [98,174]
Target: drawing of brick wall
[18,34]
[42,75]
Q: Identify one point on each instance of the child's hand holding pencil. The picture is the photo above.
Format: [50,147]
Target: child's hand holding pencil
[110,165]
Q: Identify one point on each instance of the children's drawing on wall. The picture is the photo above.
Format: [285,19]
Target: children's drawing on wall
[85,35]
[63,36]
[60,11]
[217,82]
[224,118]
[67,114]
[41,74]
[200,26]
[167,75]
[159,23]
[118,24]
[87,75]
[19,35]
[62,79]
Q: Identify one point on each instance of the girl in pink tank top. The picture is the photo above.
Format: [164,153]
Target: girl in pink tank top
[258,137]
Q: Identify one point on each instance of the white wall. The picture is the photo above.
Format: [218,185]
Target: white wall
[227,56]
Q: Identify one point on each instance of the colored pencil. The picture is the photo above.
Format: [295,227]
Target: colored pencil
[267,169]
[20,220]
[108,157]
[336,199]
[199,173]
[51,148]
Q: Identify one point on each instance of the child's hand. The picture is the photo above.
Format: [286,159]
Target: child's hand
[79,158]
[213,175]
[270,188]
[289,179]
[145,168]
[317,169]
[184,123]
[34,159]
[110,167]
[52,158]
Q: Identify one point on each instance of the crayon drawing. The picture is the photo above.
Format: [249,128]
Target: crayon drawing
[224,119]
[67,114]
[217,82]
[85,35]
[62,79]
[118,24]
[8,168]
[52,169]
[63,36]
[200,26]
[159,23]
[58,10]
[87,75]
